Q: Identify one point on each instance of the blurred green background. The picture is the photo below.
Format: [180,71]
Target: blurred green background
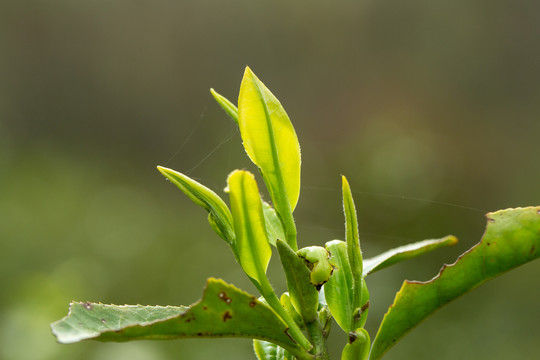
[431,109]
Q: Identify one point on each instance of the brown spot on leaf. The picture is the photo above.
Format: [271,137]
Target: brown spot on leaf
[491,220]
[352,337]
[227,316]
[365,307]
[532,249]
[103,321]
[223,296]
[252,303]
[88,306]
[205,307]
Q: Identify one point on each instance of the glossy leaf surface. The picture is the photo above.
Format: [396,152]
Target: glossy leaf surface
[219,214]
[512,238]
[271,143]
[254,251]
[268,351]
[226,105]
[269,139]
[405,252]
[224,310]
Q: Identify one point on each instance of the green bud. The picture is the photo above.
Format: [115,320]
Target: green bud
[316,259]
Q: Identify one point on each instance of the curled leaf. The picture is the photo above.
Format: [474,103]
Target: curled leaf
[226,105]
[405,252]
[316,259]
[219,215]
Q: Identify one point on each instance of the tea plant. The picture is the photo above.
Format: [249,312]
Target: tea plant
[323,282]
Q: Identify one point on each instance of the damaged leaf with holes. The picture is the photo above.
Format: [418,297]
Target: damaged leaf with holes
[322,282]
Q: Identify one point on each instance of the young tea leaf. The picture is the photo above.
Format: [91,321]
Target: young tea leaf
[303,294]
[219,216]
[271,143]
[512,238]
[354,254]
[274,228]
[224,311]
[338,290]
[226,105]
[405,252]
[252,244]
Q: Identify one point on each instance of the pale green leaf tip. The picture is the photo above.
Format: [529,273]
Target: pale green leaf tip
[248,73]
[163,170]
[345,182]
[451,240]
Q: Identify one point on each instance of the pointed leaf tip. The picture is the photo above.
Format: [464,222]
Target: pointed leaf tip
[230,109]
[220,217]
[271,143]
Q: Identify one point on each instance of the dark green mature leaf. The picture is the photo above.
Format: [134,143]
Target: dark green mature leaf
[226,105]
[405,252]
[271,143]
[303,294]
[252,244]
[338,291]
[219,216]
[512,238]
[224,311]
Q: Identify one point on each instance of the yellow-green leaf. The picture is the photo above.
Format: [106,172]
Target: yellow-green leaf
[226,105]
[252,244]
[271,143]
[274,228]
[219,214]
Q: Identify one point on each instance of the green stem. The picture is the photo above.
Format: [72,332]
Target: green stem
[318,339]
[290,231]
[294,331]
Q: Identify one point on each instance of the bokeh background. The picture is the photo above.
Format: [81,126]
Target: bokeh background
[431,109]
